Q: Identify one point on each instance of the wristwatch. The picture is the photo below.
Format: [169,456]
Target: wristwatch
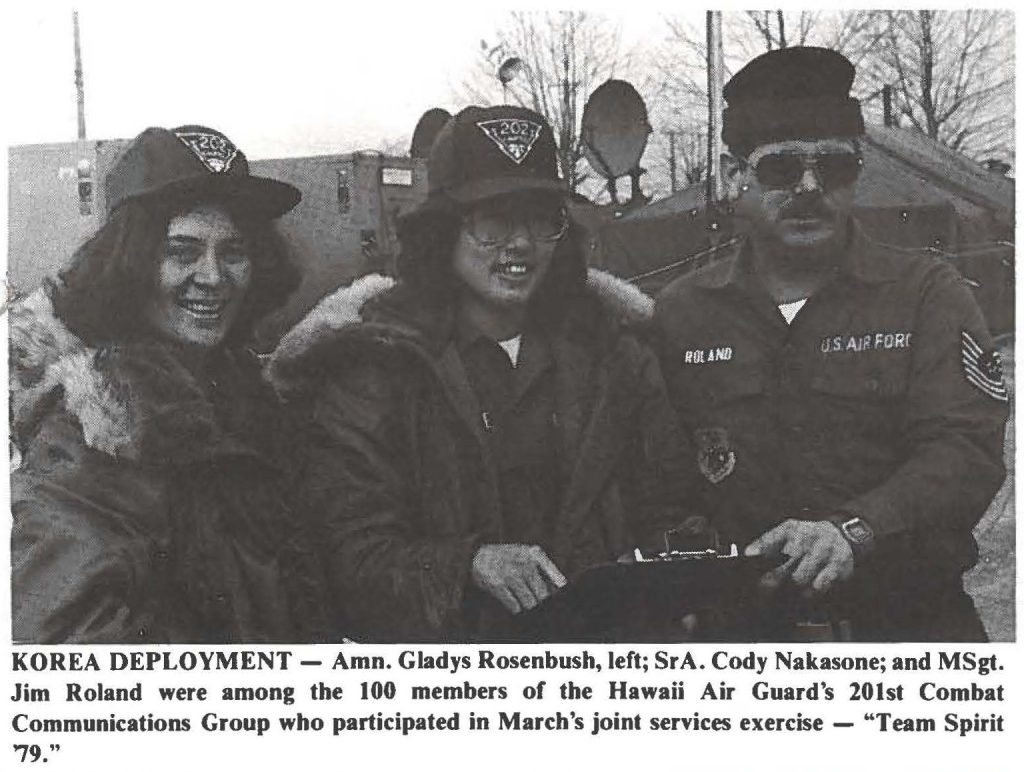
[857,532]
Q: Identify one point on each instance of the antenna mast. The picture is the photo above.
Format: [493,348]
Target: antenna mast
[79,80]
[716,73]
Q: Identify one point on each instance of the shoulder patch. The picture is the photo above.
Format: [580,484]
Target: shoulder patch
[982,369]
[514,137]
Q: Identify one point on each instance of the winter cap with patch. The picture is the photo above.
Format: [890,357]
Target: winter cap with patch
[483,152]
[801,92]
[194,162]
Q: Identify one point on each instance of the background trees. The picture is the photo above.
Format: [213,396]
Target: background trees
[950,75]
[562,57]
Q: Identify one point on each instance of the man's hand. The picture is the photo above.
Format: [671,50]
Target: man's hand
[819,555]
[519,575]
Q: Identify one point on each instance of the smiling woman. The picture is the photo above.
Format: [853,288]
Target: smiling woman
[149,496]
[202,279]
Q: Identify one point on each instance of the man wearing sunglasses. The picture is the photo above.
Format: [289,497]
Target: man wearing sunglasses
[486,427]
[845,397]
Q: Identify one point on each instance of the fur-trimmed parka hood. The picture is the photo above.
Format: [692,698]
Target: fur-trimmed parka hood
[297,354]
[138,401]
[45,357]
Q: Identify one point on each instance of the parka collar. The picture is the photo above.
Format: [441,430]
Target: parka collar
[180,416]
[139,402]
[378,308]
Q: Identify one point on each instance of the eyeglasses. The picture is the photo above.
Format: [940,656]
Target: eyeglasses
[494,227]
[785,170]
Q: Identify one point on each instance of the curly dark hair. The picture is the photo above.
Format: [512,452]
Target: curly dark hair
[427,242]
[101,295]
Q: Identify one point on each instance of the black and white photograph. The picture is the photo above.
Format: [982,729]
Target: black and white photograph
[470,325]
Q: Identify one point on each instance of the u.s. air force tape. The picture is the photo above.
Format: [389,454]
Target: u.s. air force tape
[982,369]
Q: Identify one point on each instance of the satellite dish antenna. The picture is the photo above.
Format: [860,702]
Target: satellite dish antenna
[508,70]
[429,124]
[614,131]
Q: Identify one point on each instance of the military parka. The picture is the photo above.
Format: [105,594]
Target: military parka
[149,503]
[400,474]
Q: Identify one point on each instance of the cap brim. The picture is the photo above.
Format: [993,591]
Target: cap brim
[259,197]
[481,190]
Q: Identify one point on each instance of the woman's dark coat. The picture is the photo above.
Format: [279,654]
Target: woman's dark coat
[400,474]
[148,505]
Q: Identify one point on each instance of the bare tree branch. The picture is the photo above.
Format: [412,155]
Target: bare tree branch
[567,54]
[952,73]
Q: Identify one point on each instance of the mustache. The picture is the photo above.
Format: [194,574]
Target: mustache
[809,207]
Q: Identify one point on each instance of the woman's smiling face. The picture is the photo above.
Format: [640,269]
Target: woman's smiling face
[203,276]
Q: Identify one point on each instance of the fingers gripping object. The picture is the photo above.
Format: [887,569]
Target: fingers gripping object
[818,554]
[519,576]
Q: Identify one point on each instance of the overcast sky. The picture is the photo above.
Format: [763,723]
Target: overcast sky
[289,78]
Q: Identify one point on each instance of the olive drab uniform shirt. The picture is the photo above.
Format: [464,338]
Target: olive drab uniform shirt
[884,400]
[518,413]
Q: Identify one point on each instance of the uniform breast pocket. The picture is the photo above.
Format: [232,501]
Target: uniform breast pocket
[728,386]
[729,425]
[859,400]
[860,383]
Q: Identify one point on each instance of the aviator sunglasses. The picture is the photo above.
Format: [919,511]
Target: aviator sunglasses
[785,170]
[495,227]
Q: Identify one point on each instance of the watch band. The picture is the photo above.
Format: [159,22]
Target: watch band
[856,531]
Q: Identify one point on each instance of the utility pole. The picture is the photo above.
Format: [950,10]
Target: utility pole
[672,160]
[569,86]
[716,72]
[887,116]
[79,79]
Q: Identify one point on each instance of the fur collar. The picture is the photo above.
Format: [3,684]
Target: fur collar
[44,357]
[139,401]
[343,308]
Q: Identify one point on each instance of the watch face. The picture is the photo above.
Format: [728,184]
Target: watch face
[857,530]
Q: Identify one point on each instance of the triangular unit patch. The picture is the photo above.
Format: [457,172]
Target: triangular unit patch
[214,150]
[513,136]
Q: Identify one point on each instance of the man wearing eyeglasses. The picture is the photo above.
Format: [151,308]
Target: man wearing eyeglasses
[845,397]
[486,427]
